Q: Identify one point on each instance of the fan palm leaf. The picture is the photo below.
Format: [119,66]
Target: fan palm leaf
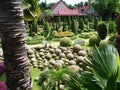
[103,72]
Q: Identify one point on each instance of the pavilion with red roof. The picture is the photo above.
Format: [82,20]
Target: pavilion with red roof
[61,9]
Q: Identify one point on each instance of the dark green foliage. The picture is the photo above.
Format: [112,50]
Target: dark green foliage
[46,29]
[73,26]
[102,30]
[81,24]
[86,21]
[59,22]
[42,22]
[111,27]
[64,26]
[65,42]
[69,22]
[95,23]
[33,27]
[106,8]
[94,40]
[51,34]
[51,79]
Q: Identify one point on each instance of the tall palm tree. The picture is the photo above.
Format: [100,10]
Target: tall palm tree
[13,44]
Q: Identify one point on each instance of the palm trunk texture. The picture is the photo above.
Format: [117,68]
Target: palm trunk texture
[12,29]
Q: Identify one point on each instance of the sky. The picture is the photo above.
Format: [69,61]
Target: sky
[72,2]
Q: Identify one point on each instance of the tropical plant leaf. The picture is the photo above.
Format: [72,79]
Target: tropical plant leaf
[103,72]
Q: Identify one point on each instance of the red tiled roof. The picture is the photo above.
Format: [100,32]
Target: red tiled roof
[70,12]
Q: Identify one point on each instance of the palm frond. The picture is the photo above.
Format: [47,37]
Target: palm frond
[103,72]
[105,61]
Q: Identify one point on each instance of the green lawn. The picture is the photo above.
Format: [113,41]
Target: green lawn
[35,73]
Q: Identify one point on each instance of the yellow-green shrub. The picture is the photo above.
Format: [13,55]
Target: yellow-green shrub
[63,34]
[94,39]
[65,42]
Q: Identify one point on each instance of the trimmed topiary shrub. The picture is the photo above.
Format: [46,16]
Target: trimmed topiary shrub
[63,34]
[65,42]
[95,23]
[94,39]
[46,29]
[81,24]
[74,27]
[102,30]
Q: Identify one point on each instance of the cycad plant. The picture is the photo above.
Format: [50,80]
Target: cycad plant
[52,79]
[103,73]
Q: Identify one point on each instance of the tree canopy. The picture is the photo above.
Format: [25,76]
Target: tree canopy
[106,8]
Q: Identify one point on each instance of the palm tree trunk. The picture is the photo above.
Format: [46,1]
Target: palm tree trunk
[13,44]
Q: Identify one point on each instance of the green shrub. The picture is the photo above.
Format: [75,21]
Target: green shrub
[64,27]
[69,22]
[46,29]
[102,30]
[111,27]
[81,24]
[65,42]
[63,34]
[95,23]
[94,39]
[91,25]
[74,27]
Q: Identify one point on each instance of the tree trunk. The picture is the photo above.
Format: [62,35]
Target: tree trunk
[12,28]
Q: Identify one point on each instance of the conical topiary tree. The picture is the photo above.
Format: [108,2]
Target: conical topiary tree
[46,29]
[69,22]
[102,30]
[95,23]
[81,24]
[73,26]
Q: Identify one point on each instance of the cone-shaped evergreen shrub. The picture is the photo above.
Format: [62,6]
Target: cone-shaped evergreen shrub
[102,30]
[69,22]
[81,24]
[73,26]
[46,29]
[95,23]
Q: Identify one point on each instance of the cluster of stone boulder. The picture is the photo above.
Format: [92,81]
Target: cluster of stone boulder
[54,57]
